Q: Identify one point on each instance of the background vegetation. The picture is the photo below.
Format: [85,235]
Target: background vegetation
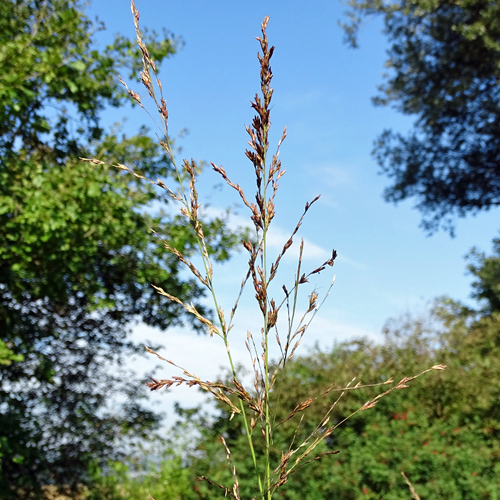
[77,256]
[443,432]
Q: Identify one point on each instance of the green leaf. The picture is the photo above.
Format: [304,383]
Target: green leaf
[72,86]
[79,65]
[94,190]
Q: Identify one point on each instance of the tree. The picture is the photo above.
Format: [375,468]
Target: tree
[486,270]
[444,63]
[77,257]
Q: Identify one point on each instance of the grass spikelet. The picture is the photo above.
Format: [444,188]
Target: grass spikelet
[252,406]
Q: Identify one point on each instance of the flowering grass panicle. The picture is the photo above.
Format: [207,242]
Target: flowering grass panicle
[251,405]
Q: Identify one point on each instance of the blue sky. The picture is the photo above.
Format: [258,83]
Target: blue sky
[387,265]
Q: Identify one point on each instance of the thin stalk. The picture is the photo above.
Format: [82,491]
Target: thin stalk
[266,333]
[233,370]
[206,263]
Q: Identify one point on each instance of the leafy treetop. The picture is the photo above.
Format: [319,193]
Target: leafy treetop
[444,62]
[77,258]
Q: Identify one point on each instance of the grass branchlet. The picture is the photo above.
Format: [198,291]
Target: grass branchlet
[251,405]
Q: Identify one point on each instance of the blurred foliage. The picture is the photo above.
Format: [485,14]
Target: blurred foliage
[77,255]
[444,69]
[443,431]
[164,478]
[486,269]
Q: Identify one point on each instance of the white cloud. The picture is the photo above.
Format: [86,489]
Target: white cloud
[200,355]
[352,262]
[277,237]
[332,175]
[327,330]
[207,358]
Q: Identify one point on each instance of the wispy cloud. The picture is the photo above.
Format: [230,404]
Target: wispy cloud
[352,262]
[207,358]
[332,175]
[325,330]
[277,237]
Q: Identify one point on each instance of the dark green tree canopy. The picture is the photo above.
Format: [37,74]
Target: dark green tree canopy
[77,258]
[444,69]
[486,270]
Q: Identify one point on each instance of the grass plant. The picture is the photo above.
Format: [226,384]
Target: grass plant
[253,406]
